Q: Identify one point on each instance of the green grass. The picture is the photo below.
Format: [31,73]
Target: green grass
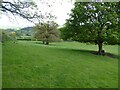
[59,65]
[0,65]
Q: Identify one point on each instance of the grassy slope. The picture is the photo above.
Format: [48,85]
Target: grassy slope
[66,65]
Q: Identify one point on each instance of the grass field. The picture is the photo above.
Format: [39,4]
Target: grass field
[0,65]
[59,65]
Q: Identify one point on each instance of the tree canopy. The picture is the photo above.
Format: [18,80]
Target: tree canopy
[47,32]
[94,22]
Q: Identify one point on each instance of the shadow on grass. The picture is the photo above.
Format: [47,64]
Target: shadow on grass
[82,50]
[107,54]
[92,52]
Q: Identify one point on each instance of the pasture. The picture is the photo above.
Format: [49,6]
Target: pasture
[28,64]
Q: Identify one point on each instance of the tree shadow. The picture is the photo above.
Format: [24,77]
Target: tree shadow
[92,52]
[107,54]
[82,50]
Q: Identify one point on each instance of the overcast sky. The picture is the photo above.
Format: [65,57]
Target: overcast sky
[60,9]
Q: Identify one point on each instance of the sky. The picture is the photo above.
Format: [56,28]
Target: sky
[60,9]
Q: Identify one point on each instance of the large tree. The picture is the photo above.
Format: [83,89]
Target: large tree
[94,22]
[47,32]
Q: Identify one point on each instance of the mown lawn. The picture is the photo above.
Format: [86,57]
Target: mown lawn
[59,65]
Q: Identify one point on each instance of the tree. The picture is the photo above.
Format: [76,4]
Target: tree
[12,36]
[47,32]
[0,35]
[94,22]
[62,30]
[65,35]
[4,36]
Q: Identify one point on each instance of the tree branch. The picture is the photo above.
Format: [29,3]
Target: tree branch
[18,9]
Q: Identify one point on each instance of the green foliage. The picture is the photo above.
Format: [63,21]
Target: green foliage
[59,65]
[94,22]
[0,35]
[26,38]
[7,36]
[4,36]
[62,30]
[65,34]
[47,32]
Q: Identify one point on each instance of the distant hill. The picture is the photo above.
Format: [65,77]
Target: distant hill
[27,31]
[27,28]
[10,30]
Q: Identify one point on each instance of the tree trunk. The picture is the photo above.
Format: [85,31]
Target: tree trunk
[47,43]
[100,48]
[43,42]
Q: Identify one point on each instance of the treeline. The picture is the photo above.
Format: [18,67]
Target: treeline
[45,32]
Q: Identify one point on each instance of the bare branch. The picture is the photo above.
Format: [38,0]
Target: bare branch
[20,8]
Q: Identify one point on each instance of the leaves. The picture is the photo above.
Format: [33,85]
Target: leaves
[47,32]
[90,21]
